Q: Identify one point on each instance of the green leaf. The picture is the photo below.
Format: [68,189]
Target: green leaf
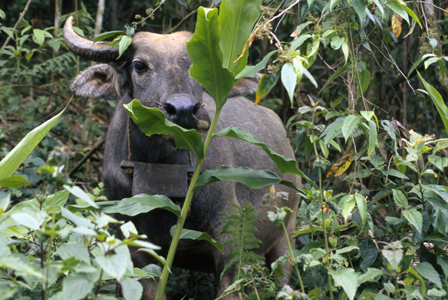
[395,173]
[333,77]
[108,35]
[399,10]
[131,289]
[414,217]
[346,278]
[422,282]
[5,199]
[347,207]
[393,257]
[349,125]
[298,41]
[309,76]
[380,7]
[365,80]
[76,287]
[17,155]
[413,16]
[251,71]
[438,189]
[139,204]
[267,82]
[207,58]
[284,164]
[14,182]
[113,264]
[367,114]
[360,9]
[289,80]
[333,130]
[440,162]
[197,235]
[251,178]
[39,36]
[76,191]
[372,275]
[438,101]
[236,18]
[362,207]
[373,140]
[369,252]
[30,218]
[426,270]
[79,251]
[400,198]
[125,41]
[151,121]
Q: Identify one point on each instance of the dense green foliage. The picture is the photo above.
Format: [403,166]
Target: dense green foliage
[357,99]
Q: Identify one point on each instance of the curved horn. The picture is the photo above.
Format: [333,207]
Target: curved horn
[99,52]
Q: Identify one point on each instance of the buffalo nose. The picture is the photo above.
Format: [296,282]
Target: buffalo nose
[182,111]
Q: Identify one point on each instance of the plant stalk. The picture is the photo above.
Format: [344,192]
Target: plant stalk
[185,209]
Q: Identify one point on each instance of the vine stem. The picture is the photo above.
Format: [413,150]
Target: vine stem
[321,203]
[185,209]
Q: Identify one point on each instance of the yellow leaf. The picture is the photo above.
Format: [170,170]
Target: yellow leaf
[341,165]
[396,24]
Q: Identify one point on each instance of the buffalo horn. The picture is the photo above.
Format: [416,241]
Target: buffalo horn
[99,51]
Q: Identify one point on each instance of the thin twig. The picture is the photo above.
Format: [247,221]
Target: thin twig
[149,16]
[87,156]
[17,23]
[181,21]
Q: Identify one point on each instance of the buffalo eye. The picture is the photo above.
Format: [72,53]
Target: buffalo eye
[140,66]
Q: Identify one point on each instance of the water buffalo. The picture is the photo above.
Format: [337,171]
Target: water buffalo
[155,70]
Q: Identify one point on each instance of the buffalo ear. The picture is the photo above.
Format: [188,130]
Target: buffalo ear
[247,85]
[102,81]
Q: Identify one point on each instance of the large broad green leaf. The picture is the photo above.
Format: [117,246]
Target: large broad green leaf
[139,204]
[152,121]
[13,182]
[131,289]
[283,163]
[207,58]
[393,256]
[76,191]
[426,270]
[438,101]
[17,155]
[237,18]
[399,10]
[346,278]
[251,71]
[252,178]
[400,198]
[371,275]
[415,218]
[333,130]
[197,235]
[76,286]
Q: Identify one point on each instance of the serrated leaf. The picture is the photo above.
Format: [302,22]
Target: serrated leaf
[393,257]
[400,198]
[284,164]
[113,264]
[79,251]
[426,270]
[197,235]
[76,286]
[251,178]
[76,191]
[414,217]
[205,53]
[139,204]
[152,121]
[349,125]
[17,155]
[347,279]
[369,252]
[131,289]
[438,189]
